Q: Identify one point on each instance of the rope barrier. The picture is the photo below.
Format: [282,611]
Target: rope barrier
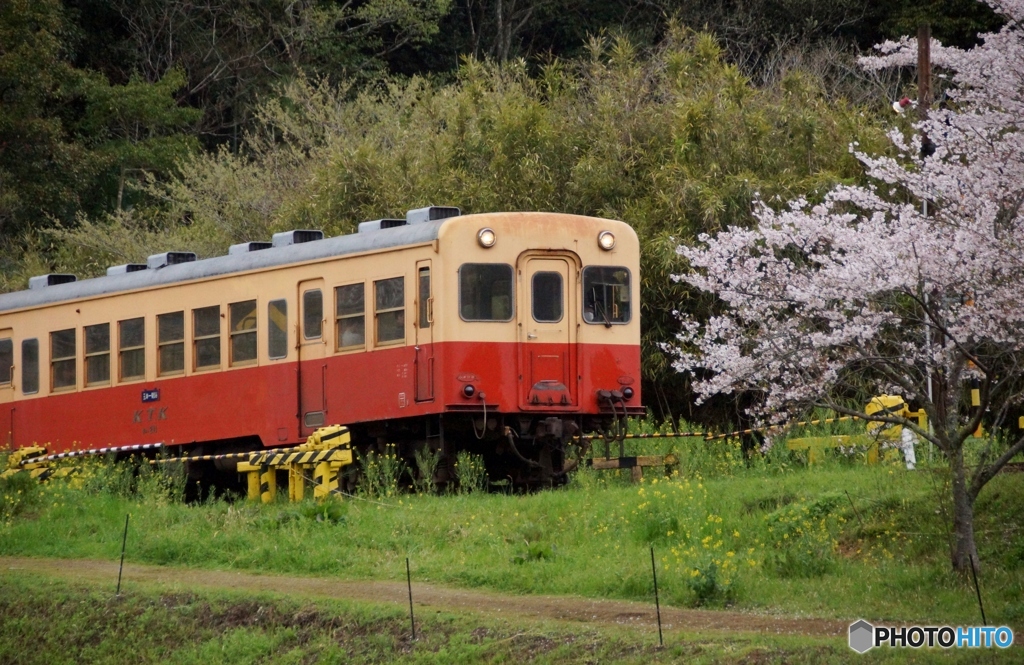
[95,451]
[299,450]
[246,455]
[167,460]
[707,436]
[201,458]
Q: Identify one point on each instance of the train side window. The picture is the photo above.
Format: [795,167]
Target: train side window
[389,310]
[277,329]
[131,348]
[62,359]
[243,332]
[97,354]
[485,292]
[171,343]
[606,298]
[6,361]
[312,314]
[206,336]
[547,297]
[424,298]
[350,312]
[29,366]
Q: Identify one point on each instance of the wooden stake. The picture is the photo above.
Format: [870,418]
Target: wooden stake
[977,589]
[408,579]
[124,542]
[657,604]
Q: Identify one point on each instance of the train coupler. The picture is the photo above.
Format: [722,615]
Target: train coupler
[618,427]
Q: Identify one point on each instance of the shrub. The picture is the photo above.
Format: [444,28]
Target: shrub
[801,537]
[470,471]
[382,472]
[427,461]
[331,510]
[655,526]
[18,493]
[535,547]
[709,585]
[131,478]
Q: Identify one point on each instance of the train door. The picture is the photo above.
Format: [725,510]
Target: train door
[424,333]
[547,321]
[6,388]
[312,357]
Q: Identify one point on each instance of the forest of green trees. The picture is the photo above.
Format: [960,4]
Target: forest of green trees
[129,127]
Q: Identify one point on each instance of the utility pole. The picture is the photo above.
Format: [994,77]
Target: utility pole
[924,70]
[924,102]
[924,84]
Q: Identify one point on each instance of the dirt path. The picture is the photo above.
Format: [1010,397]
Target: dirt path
[433,597]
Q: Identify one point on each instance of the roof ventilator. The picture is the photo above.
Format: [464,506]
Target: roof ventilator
[157,261]
[246,247]
[53,279]
[379,224]
[126,268]
[296,237]
[431,214]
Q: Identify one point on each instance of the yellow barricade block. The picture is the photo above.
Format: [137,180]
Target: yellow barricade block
[252,476]
[324,453]
[326,478]
[268,484]
[296,482]
[816,445]
[335,436]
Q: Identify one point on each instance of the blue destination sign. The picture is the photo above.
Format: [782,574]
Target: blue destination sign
[152,395]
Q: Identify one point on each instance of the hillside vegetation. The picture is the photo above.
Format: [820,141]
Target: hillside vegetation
[673,139]
[131,128]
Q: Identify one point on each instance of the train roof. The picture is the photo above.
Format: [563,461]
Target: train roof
[354,243]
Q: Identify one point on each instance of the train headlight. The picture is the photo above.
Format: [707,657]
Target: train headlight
[606,240]
[468,390]
[486,237]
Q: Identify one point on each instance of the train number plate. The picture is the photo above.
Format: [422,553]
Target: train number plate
[151,395]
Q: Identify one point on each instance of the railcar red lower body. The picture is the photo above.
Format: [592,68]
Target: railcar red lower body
[359,388]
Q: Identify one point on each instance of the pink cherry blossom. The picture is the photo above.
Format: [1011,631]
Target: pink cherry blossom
[827,303]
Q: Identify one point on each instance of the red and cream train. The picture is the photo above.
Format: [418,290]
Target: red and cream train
[502,333]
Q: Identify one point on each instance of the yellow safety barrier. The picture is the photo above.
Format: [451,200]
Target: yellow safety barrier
[323,455]
[883,405]
[16,462]
[816,445]
[268,484]
[325,479]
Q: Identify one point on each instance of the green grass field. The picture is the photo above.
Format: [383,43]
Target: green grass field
[839,540]
[44,621]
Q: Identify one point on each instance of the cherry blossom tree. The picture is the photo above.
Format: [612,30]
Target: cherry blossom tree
[913,286]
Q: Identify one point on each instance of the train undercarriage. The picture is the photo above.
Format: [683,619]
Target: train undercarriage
[519,451]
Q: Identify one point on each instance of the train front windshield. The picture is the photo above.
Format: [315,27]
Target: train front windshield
[606,295]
